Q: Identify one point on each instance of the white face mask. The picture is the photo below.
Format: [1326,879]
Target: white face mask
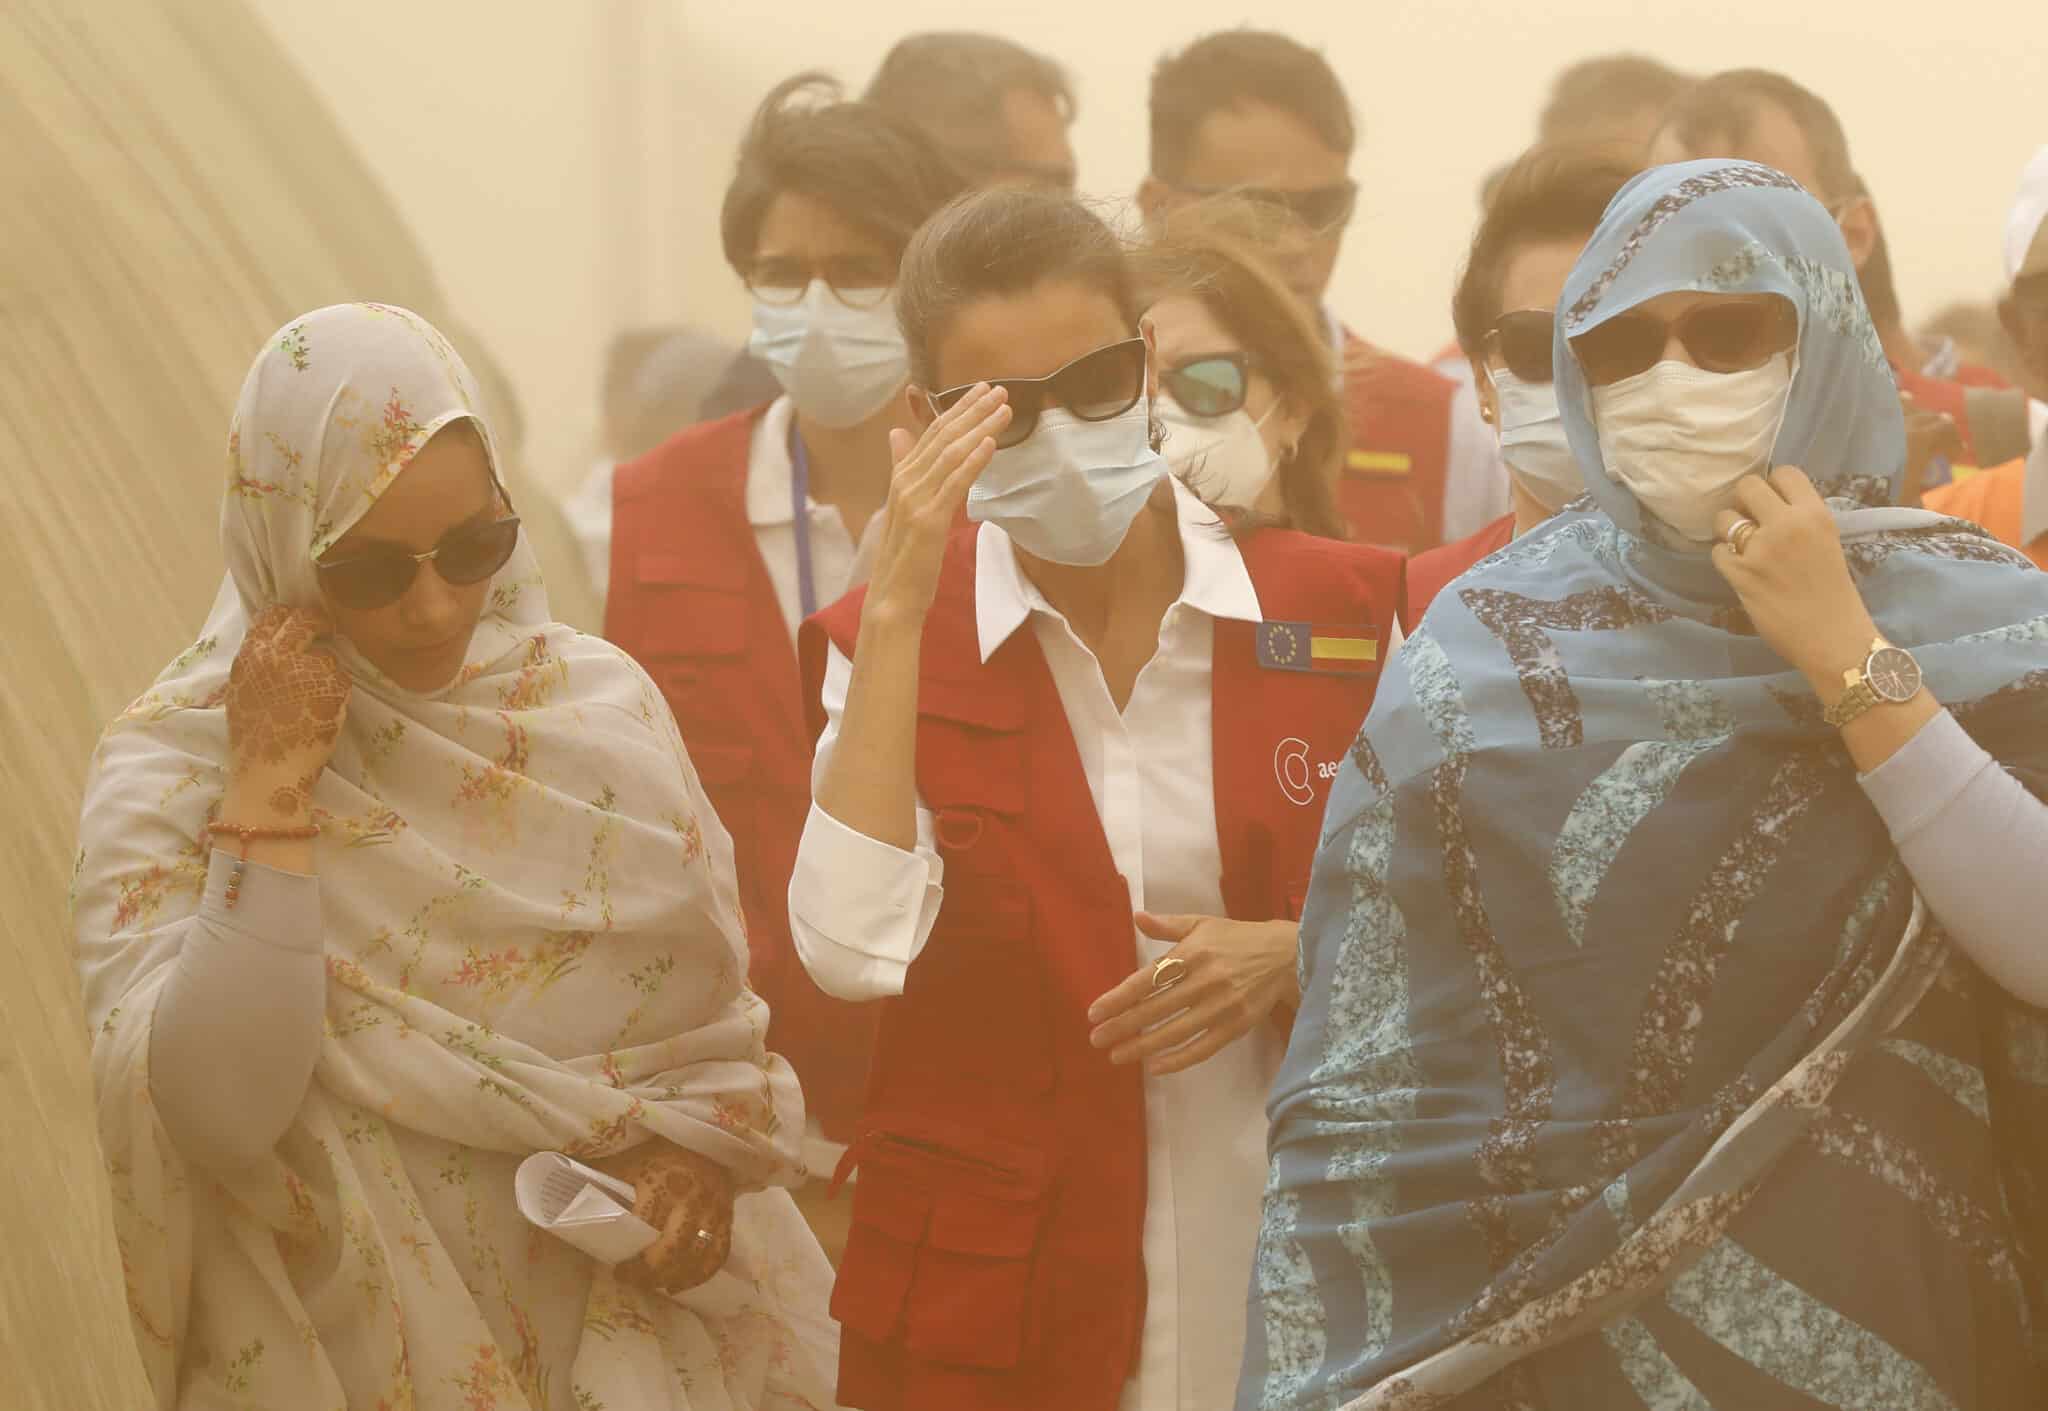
[1532,440]
[839,364]
[1069,492]
[1679,437]
[1221,458]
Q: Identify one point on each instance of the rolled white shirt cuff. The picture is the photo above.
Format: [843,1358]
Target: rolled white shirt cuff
[860,909]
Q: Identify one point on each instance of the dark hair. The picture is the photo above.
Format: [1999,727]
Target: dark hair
[1726,107]
[951,86]
[1587,98]
[1003,241]
[878,172]
[1240,66]
[1554,191]
[1209,250]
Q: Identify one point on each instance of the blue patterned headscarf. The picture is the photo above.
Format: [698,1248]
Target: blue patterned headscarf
[1596,875]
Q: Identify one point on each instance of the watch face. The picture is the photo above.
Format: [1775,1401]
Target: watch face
[1894,675]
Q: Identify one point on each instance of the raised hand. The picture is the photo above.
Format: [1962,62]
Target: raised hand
[286,701]
[930,484]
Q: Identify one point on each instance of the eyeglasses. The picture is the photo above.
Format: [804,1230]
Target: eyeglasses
[1522,342]
[1215,384]
[857,281]
[1321,208]
[1094,387]
[1729,334]
[382,576]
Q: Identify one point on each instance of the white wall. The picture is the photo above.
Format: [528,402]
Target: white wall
[564,164]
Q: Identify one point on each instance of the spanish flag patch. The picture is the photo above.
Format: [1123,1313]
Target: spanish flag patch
[1391,464]
[1302,646]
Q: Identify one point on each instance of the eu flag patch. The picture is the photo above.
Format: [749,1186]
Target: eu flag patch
[1303,646]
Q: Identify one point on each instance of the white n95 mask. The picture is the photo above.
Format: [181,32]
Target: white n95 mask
[1068,492]
[1532,440]
[1679,437]
[840,365]
[1221,458]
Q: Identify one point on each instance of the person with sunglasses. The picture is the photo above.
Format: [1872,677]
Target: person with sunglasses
[1542,213]
[1071,763]
[1671,1031]
[724,538]
[1253,421]
[389,883]
[1262,116]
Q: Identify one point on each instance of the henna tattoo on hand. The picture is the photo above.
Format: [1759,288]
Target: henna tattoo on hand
[284,698]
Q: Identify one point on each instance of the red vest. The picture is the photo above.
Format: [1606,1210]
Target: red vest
[996,1258]
[1392,490]
[1430,573]
[692,602]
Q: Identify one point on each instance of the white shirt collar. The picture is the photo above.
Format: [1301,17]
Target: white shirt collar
[769,469]
[1214,579]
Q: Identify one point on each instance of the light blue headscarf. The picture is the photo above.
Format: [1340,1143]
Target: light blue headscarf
[1594,875]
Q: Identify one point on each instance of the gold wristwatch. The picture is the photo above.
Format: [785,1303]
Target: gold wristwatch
[1888,676]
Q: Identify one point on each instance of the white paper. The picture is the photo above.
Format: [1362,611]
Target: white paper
[583,1207]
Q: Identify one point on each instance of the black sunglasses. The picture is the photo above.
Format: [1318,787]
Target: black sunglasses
[1322,208]
[1094,387]
[382,576]
[1730,334]
[1522,342]
[1215,384]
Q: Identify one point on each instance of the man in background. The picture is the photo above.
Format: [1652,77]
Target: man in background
[1260,115]
[1618,98]
[1766,117]
[2011,500]
[996,108]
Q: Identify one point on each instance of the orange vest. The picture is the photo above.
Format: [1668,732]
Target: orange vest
[1994,498]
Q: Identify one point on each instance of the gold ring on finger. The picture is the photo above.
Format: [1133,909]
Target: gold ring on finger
[1169,971]
[1740,533]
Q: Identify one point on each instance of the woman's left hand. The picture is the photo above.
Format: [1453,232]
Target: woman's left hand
[1793,578]
[1233,974]
[689,1199]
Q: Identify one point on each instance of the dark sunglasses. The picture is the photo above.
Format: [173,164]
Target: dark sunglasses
[382,576]
[1322,208]
[1732,334]
[1521,340]
[1094,387]
[1213,385]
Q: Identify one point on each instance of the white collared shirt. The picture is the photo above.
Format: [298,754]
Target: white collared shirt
[861,911]
[838,564]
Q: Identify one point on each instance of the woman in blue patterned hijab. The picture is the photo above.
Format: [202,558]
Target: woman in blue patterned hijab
[1655,1053]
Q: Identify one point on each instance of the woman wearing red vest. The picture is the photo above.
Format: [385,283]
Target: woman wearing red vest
[724,538]
[1541,215]
[1072,766]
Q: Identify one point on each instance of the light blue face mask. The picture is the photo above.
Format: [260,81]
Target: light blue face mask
[1069,492]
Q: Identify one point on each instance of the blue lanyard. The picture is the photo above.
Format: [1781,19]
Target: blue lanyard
[800,520]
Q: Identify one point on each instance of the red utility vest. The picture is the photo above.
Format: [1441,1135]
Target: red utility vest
[692,602]
[1430,573]
[996,1256]
[1392,489]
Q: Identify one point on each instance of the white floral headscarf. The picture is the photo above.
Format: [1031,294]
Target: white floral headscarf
[532,942]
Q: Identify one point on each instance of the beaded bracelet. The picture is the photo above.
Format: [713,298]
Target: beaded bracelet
[256,833]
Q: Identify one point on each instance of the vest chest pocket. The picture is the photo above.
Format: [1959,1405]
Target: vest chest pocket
[973,1011]
[940,1258]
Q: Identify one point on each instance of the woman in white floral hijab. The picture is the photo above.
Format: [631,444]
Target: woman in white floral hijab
[321,1058]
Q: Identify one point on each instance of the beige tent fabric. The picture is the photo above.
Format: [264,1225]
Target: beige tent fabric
[170,192]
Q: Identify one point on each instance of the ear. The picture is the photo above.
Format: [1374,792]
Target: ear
[1154,196]
[1151,336]
[1489,402]
[920,406]
[1858,221]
